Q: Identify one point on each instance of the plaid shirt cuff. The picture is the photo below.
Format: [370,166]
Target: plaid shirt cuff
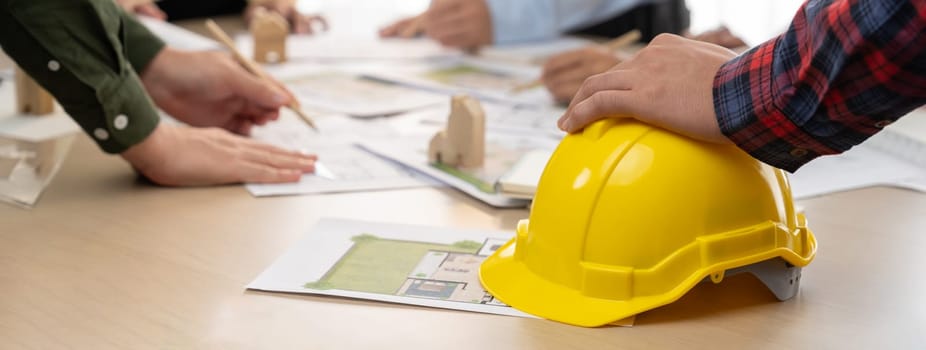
[747,113]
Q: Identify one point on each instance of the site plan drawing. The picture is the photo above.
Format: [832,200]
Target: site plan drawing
[434,267]
[395,263]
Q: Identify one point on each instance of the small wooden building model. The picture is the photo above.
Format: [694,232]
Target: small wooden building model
[31,98]
[462,144]
[269,30]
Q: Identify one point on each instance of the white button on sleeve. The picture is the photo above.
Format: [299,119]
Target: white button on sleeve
[54,66]
[121,122]
[101,134]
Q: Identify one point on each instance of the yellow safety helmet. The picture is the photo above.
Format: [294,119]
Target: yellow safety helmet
[629,217]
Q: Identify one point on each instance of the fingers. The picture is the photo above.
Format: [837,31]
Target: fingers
[445,8]
[593,100]
[271,148]
[574,76]
[456,23]
[279,158]
[564,73]
[600,105]
[394,29]
[269,95]
[259,173]
[561,62]
[564,92]
[611,80]
[304,24]
[258,162]
[442,28]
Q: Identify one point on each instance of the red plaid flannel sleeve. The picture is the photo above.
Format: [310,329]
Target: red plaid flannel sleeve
[844,70]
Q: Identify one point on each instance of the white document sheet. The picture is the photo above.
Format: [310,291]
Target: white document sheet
[893,157]
[517,119]
[329,47]
[414,265]
[534,52]
[356,96]
[177,37]
[342,167]
[860,167]
[503,151]
[483,79]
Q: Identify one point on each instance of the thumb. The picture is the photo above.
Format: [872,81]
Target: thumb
[258,91]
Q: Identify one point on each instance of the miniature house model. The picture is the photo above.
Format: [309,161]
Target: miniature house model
[269,30]
[463,142]
[31,98]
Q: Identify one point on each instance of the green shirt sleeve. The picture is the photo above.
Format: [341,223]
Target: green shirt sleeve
[80,51]
[141,44]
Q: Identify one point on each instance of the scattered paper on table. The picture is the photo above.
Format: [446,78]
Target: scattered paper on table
[534,52]
[357,96]
[178,37]
[485,80]
[414,265]
[519,119]
[333,47]
[349,168]
[503,151]
[886,159]
[346,169]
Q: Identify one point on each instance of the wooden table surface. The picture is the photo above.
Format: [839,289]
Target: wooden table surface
[106,260]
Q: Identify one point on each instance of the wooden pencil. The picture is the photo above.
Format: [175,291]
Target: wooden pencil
[252,67]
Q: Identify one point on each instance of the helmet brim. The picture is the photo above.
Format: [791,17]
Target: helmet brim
[511,282]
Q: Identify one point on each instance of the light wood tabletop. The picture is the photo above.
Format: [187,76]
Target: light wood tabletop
[106,261]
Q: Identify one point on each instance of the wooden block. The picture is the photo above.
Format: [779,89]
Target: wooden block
[31,98]
[463,142]
[269,30]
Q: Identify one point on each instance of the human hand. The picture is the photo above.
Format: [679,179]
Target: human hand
[668,84]
[143,7]
[464,24]
[300,23]
[184,156]
[404,28]
[720,36]
[564,73]
[210,89]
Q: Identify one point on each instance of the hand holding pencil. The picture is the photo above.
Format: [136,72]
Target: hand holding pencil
[252,67]
[564,73]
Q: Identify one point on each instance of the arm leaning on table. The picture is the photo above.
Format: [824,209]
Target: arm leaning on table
[842,71]
[87,54]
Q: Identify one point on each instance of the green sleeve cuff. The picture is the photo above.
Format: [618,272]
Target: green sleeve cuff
[74,49]
[141,45]
[129,115]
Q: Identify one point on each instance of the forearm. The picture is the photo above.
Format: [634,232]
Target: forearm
[841,73]
[74,49]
